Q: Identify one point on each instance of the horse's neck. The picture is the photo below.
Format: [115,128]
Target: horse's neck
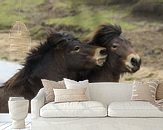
[104,74]
[53,67]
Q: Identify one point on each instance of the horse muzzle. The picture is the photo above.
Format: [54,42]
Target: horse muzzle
[133,63]
[100,56]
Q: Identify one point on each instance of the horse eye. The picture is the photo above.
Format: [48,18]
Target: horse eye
[114,46]
[77,48]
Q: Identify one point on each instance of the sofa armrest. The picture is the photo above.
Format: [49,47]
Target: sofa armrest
[36,103]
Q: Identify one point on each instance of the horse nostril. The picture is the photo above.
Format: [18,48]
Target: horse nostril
[134,62]
[103,52]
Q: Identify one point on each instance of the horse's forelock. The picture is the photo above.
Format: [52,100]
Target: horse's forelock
[61,37]
[105,33]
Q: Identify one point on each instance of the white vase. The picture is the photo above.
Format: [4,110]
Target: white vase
[18,110]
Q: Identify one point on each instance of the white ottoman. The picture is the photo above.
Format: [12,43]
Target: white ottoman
[18,110]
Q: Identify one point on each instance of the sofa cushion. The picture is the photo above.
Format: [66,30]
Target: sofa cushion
[133,109]
[70,95]
[74,109]
[159,93]
[72,84]
[49,85]
[144,90]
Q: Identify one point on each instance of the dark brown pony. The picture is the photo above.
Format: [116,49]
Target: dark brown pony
[60,56]
[121,58]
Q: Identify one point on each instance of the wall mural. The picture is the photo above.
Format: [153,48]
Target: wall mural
[102,41]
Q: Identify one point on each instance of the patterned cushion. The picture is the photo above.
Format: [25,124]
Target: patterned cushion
[49,86]
[71,84]
[159,93]
[144,90]
[70,95]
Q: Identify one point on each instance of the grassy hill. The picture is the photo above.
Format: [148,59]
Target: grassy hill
[79,17]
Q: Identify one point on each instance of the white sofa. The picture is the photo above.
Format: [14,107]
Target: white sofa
[116,111]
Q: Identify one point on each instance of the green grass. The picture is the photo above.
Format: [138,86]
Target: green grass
[152,1]
[9,11]
[129,78]
[89,19]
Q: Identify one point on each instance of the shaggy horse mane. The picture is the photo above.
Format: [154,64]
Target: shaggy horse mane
[105,33]
[54,40]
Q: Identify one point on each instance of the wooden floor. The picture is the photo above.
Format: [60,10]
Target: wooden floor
[8,126]
[5,122]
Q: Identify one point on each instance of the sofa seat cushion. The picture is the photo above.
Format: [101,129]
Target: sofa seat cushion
[133,109]
[74,109]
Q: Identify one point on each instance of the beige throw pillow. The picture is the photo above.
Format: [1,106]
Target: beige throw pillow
[159,93]
[70,95]
[49,86]
[72,84]
[144,90]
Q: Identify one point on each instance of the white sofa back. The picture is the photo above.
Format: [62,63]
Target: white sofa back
[107,92]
